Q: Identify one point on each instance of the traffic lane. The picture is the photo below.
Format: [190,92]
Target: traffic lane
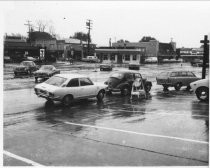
[92,113]
[52,148]
[166,129]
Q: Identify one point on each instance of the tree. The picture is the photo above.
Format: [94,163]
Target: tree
[41,25]
[81,36]
[123,41]
[147,39]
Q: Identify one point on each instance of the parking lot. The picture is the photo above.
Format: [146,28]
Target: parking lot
[168,128]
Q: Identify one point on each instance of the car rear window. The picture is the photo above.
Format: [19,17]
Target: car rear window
[56,81]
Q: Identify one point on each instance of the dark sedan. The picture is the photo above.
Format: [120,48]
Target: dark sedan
[45,72]
[25,68]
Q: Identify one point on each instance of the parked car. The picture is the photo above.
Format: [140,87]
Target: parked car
[91,59]
[69,87]
[176,79]
[122,81]
[45,72]
[107,67]
[201,89]
[25,67]
[134,66]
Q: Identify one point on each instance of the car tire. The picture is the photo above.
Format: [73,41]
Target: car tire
[148,88]
[202,93]
[100,95]
[125,91]
[178,86]
[101,69]
[165,88]
[67,100]
[36,79]
[49,103]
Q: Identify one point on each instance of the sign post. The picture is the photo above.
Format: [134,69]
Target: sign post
[205,55]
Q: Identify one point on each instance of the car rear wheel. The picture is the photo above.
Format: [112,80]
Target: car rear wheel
[101,69]
[165,87]
[178,86]
[67,100]
[100,95]
[125,91]
[202,93]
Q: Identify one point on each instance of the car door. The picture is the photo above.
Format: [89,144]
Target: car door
[87,88]
[174,78]
[73,88]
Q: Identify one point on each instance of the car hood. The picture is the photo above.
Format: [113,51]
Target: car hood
[46,87]
[202,81]
[43,71]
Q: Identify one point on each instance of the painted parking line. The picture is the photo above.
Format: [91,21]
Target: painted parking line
[21,158]
[137,133]
[157,112]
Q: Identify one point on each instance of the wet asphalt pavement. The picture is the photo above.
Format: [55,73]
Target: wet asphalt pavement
[166,129]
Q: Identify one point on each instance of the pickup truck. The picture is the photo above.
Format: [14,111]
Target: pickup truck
[176,79]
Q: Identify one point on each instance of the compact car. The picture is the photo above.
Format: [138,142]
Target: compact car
[45,72]
[176,79]
[201,89]
[107,67]
[122,81]
[69,87]
[25,68]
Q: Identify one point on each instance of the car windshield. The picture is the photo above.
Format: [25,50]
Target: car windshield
[56,81]
[27,64]
[117,75]
[46,67]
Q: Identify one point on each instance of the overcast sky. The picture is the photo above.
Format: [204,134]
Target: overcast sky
[186,22]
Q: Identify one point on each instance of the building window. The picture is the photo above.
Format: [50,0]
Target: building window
[112,57]
[134,57]
[105,57]
[127,57]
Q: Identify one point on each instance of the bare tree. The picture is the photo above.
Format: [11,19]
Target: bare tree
[41,25]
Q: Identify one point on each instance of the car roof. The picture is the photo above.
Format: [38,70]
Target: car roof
[126,71]
[71,75]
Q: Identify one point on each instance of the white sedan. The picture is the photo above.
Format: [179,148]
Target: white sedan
[68,87]
[201,89]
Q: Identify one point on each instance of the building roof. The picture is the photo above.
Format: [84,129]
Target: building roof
[36,35]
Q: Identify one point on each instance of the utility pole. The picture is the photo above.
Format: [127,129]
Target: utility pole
[29,30]
[88,24]
[205,54]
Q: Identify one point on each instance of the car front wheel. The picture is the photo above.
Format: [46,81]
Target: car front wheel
[125,91]
[67,100]
[202,93]
[178,86]
[100,95]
